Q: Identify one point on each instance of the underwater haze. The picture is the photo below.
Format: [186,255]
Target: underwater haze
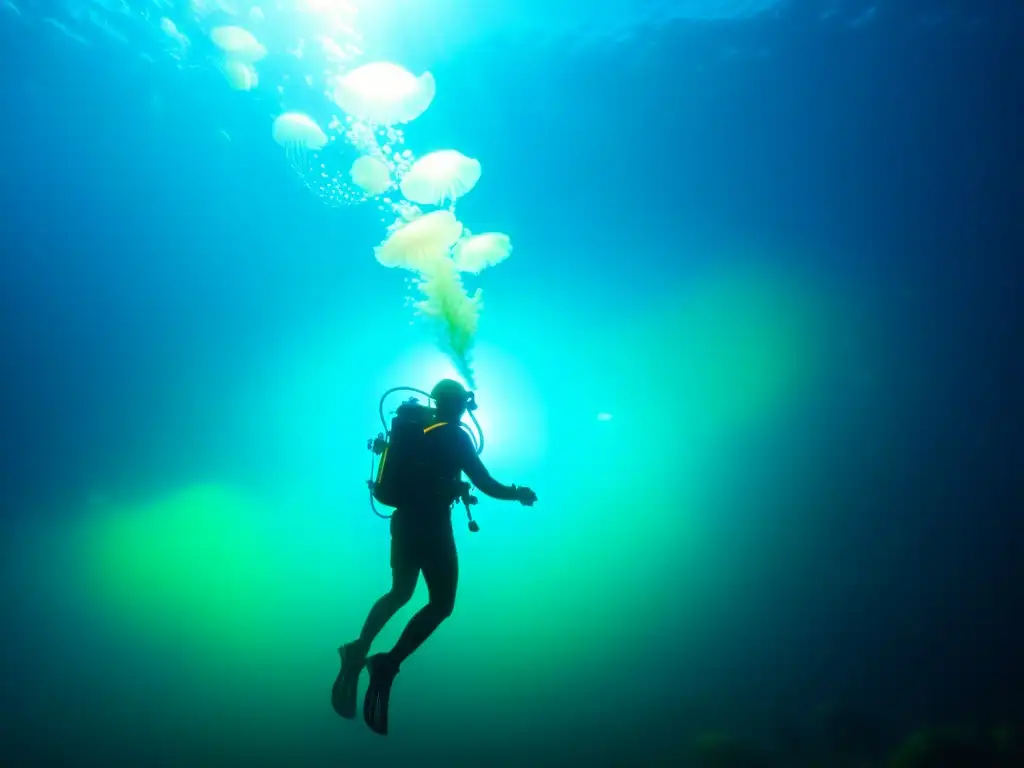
[736,283]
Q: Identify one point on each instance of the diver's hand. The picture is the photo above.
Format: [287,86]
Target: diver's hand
[525,496]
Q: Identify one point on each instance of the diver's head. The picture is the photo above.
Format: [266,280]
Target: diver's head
[452,399]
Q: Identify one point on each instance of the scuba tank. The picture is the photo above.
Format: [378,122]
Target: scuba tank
[402,474]
[402,467]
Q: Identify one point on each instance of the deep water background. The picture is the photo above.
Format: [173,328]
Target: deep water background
[783,253]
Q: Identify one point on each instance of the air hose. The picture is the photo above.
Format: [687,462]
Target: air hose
[378,445]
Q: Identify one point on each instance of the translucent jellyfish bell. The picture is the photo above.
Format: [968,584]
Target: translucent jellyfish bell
[238,44]
[371,174]
[443,175]
[421,242]
[382,93]
[299,135]
[240,76]
[317,160]
[476,253]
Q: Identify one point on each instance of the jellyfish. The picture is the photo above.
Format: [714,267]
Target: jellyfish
[443,175]
[202,8]
[170,29]
[420,243]
[477,252]
[315,158]
[382,93]
[371,174]
[238,44]
[299,135]
[240,76]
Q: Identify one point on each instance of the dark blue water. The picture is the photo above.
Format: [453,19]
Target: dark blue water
[153,269]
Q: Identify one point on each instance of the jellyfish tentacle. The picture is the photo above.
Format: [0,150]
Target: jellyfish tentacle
[293,151]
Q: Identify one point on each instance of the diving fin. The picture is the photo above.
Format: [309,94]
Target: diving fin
[378,694]
[343,695]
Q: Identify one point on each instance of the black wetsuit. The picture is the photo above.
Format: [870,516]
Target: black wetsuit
[422,538]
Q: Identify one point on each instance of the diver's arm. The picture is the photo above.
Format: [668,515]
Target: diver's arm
[480,477]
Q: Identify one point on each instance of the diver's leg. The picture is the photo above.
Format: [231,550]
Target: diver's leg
[440,566]
[404,574]
[441,572]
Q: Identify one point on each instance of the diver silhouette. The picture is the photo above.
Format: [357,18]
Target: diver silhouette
[422,540]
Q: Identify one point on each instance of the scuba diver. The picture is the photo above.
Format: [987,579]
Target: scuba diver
[422,540]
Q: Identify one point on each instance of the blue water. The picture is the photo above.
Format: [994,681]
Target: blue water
[177,306]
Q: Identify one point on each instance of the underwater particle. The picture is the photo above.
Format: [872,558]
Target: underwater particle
[202,8]
[319,160]
[362,137]
[227,7]
[604,416]
[405,211]
[169,28]
[476,253]
[103,23]
[238,44]
[443,175]
[299,135]
[421,243]
[371,174]
[65,30]
[382,93]
[240,76]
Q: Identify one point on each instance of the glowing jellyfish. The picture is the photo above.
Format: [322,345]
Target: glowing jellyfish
[240,76]
[443,175]
[383,93]
[299,135]
[202,8]
[317,159]
[476,253]
[371,174]
[421,242]
[169,28]
[238,44]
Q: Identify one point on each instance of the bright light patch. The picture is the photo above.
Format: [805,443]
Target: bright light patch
[510,411]
[604,417]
